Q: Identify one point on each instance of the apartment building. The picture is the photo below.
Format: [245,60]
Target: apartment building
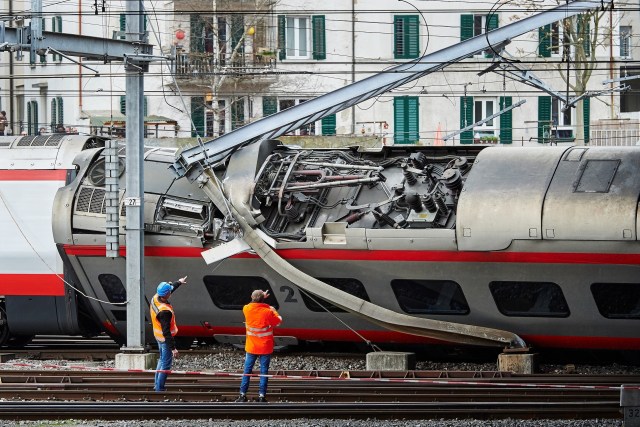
[236,61]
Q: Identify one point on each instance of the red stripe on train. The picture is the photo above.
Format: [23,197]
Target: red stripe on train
[49,285]
[386,255]
[33,175]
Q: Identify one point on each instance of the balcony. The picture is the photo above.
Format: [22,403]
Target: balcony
[199,67]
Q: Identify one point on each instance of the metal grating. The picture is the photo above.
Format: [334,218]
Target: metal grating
[39,141]
[5,144]
[82,205]
[97,201]
[25,141]
[55,139]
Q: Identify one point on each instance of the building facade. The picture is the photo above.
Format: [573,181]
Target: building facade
[236,61]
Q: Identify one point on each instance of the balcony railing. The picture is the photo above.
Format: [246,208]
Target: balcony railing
[202,65]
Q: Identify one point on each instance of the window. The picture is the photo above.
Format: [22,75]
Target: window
[301,37]
[237,113]
[197,115]
[430,296]
[625,41]
[529,299]
[475,25]
[630,99]
[113,288]
[350,286]
[32,118]
[553,41]
[406,37]
[483,108]
[406,120]
[561,120]
[234,292]
[309,129]
[617,300]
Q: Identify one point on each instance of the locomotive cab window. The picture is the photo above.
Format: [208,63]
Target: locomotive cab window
[617,300]
[350,286]
[113,287]
[430,296]
[529,299]
[233,293]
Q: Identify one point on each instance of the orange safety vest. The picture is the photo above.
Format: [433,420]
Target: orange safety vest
[156,307]
[260,320]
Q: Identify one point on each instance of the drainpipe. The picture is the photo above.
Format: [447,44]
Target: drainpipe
[11,74]
[353,61]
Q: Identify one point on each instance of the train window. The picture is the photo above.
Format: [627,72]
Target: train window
[119,315]
[113,287]
[350,286]
[234,292]
[617,300]
[529,299]
[597,176]
[430,296]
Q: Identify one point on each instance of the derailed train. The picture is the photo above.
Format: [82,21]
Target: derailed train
[539,241]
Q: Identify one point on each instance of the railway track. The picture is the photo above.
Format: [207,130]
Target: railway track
[128,395]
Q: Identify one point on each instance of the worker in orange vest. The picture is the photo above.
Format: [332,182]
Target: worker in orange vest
[260,320]
[163,320]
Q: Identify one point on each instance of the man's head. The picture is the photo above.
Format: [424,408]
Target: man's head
[164,289]
[258,295]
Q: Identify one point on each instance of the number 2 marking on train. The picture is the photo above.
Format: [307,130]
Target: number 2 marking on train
[289,290]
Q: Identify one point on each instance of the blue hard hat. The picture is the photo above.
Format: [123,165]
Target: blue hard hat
[164,289]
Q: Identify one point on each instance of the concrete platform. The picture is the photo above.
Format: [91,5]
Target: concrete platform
[518,362]
[136,361]
[391,361]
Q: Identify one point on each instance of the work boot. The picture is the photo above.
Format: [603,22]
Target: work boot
[241,398]
[262,399]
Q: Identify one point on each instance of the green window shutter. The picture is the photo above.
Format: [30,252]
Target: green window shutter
[399,125]
[329,125]
[144,108]
[282,37]
[35,117]
[237,31]
[466,119]
[196,43]
[123,104]
[60,103]
[43,58]
[544,41]
[237,113]
[269,105]
[54,109]
[59,19]
[544,118]
[197,115]
[492,22]
[319,39]
[123,25]
[584,33]
[53,24]
[406,120]
[406,37]
[29,118]
[586,114]
[466,27]
[506,121]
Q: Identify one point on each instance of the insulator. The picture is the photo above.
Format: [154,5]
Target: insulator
[429,203]
[354,217]
[452,179]
[418,160]
[442,207]
[461,163]
[414,201]
[410,177]
[292,213]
